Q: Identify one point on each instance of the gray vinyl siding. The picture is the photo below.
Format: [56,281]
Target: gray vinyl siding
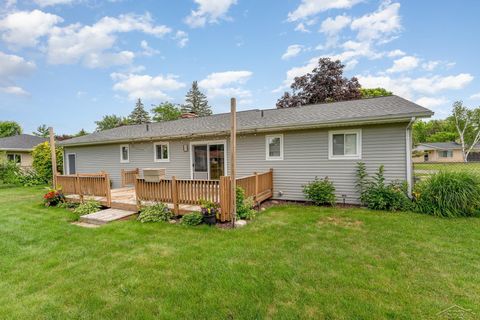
[305,157]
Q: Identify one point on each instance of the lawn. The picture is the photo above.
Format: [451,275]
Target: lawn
[293,262]
[455,166]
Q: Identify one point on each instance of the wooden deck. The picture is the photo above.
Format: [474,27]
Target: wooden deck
[125,199]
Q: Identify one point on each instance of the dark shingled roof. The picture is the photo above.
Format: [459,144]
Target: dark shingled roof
[22,142]
[388,109]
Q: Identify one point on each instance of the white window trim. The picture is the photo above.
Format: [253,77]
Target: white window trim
[121,155]
[267,153]
[67,169]
[357,156]
[155,151]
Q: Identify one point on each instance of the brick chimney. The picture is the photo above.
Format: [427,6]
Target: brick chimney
[188,115]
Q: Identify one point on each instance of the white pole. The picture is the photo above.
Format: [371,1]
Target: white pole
[233,157]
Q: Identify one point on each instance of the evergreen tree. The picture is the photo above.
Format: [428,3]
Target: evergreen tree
[42,131]
[110,122]
[196,102]
[139,115]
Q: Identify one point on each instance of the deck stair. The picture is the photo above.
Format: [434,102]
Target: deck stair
[106,216]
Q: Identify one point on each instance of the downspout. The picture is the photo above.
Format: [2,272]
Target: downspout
[408,149]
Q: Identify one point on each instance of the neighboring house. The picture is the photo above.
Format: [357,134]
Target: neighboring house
[19,148]
[298,143]
[443,152]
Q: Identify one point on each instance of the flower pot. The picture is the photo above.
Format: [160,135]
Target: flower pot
[210,219]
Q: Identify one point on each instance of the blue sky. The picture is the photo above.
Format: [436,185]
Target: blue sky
[66,63]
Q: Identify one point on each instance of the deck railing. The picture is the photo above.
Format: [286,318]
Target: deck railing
[96,184]
[183,191]
[129,176]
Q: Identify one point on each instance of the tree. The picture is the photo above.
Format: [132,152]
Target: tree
[434,131]
[42,131]
[139,115]
[42,161]
[80,133]
[326,83]
[196,102]
[374,92]
[9,128]
[166,111]
[467,123]
[110,122]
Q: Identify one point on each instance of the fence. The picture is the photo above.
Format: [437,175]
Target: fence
[95,184]
[182,191]
[128,177]
[424,170]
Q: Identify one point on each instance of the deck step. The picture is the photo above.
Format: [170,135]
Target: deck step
[106,216]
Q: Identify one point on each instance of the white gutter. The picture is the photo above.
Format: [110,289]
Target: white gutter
[408,150]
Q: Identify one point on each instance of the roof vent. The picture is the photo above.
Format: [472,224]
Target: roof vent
[188,115]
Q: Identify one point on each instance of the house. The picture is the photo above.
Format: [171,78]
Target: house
[19,148]
[297,143]
[442,152]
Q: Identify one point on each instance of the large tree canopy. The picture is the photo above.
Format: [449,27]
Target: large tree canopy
[325,83]
[374,92]
[166,111]
[434,131]
[196,102]
[110,122]
[9,128]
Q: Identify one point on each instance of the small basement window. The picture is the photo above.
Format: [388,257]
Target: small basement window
[345,144]
[161,152]
[124,153]
[274,147]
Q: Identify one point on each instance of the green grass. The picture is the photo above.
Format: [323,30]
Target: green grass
[291,263]
[469,166]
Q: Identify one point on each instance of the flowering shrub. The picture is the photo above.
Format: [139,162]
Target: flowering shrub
[53,197]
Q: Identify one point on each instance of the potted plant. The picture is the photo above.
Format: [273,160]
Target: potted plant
[209,211]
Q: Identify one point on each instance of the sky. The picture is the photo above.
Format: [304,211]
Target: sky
[67,63]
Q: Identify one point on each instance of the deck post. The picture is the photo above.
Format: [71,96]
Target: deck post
[255,198]
[233,159]
[78,187]
[271,182]
[54,157]
[123,177]
[225,198]
[137,199]
[108,191]
[175,196]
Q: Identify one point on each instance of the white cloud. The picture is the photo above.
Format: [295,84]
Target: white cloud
[475,96]
[404,64]
[430,102]
[410,87]
[147,50]
[297,72]
[309,8]
[146,86]
[380,24]
[181,37]
[17,91]
[11,68]
[292,51]
[46,3]
[302,28]
[396,53]
[228,83]
[90,44]
[333,26]
[209,11]
[24,28]
[430,65]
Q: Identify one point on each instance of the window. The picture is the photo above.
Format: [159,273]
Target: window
[446,154]
[17,158]
[345,144]
[124,153]
[274,147]
[161,152]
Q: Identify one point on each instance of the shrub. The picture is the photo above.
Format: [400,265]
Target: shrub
[155,213]
[87,207]
[192,219]
[68,205]
[244,205]
[449,194]
[29,178]
[53,197]
[320,191]
[42,161]
[9,172]
[209,207]
[376,195]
